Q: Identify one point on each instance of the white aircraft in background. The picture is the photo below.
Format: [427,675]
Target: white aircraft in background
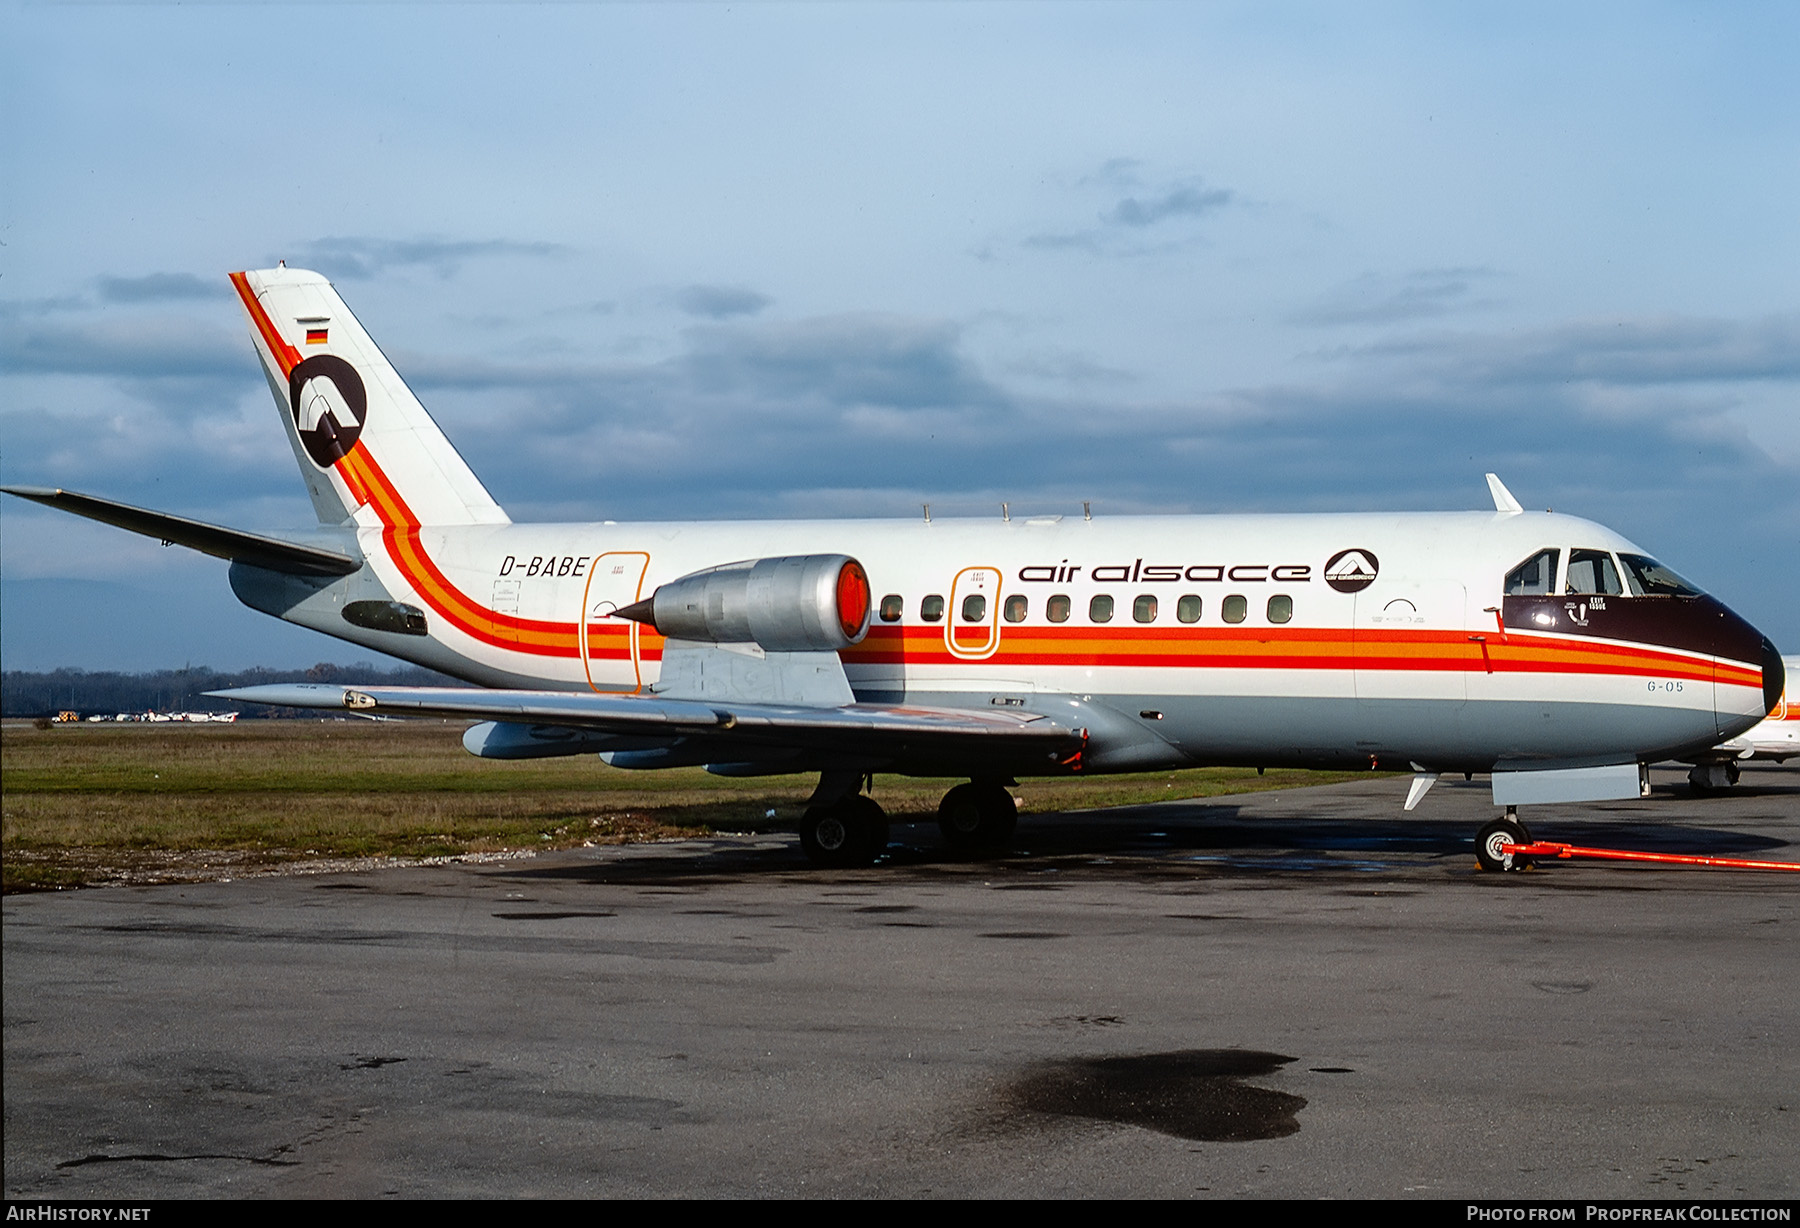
[1777,738]
[1545,650]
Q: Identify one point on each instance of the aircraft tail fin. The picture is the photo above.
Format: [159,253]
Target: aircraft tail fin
[368,451]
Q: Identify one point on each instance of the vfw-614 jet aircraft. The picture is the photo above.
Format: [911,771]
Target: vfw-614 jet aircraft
[1545,650]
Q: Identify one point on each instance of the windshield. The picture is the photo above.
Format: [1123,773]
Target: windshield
[1592,571]
[1649,578]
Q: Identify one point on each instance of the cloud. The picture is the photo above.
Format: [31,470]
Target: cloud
[352,258]
[1175,203]
[1636,352]
[1126,223]
[132,347]
[720,302]
[1377,299]
[32,308]
[858,360]
[1631,422]
[153,287]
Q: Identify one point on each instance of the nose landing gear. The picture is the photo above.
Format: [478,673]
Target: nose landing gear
[1492,839]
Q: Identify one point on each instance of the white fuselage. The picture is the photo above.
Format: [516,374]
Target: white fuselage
[1274,664]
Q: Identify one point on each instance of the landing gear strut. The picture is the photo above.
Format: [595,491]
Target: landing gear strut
[978,817]
[1497,834]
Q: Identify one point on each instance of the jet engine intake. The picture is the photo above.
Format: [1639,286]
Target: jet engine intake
[800,603]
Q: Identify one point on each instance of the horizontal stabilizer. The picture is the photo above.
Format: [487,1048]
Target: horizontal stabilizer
[216,540]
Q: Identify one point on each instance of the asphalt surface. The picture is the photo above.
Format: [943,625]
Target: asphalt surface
[1305,993]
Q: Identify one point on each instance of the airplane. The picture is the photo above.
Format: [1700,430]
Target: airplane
[1776,738]
[1546,651]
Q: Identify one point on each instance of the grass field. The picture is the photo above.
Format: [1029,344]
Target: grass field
[92,804]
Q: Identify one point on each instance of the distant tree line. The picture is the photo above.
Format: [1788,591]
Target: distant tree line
[26,694]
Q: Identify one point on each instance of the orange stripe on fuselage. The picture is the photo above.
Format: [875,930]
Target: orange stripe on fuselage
[1296,648]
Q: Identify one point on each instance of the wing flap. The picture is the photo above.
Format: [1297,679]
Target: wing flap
[873,728]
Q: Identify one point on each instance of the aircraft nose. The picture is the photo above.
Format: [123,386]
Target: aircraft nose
[1747,672]
[1774,677]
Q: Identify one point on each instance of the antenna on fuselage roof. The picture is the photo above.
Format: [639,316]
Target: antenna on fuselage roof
[1087,510]
[1503,498]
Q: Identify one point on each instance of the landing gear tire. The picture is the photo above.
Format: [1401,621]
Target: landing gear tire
[1490,839]
[1711,779]
[850,832]
[978,817]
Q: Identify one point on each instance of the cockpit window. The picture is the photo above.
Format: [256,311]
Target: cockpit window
[1649,578]
[1535,577]
[1592,571]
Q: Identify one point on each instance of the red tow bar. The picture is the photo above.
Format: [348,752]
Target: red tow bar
[1545,848]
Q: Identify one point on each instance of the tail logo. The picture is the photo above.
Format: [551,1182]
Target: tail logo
[330,405]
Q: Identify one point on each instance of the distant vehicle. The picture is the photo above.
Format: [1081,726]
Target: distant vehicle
[1776,738]
[1546,650]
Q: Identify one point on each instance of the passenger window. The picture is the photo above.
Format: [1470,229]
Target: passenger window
[1100,609]
[1143,610]
[932,608]
[1592,571]
[1535,577]
[1281,608]
[1057,609]
[1235,608]
[892,607]
[1016,608]
[1188,609]
[974,608]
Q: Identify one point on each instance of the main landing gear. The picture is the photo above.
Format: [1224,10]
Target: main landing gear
[978,817]
[1496,835]
[842,827]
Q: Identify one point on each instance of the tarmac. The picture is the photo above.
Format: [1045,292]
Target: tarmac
[1306,993]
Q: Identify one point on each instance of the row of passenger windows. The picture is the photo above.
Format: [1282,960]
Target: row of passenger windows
[1144,608]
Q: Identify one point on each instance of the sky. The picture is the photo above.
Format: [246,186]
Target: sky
[771,260]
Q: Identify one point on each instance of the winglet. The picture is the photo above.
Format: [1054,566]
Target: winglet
[1503,498]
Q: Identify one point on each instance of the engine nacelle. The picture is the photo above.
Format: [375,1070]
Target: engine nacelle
[802,603]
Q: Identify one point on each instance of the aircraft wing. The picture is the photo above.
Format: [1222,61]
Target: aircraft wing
[876,729]
[216,540]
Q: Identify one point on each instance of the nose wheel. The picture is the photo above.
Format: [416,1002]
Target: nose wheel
[1494,836]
